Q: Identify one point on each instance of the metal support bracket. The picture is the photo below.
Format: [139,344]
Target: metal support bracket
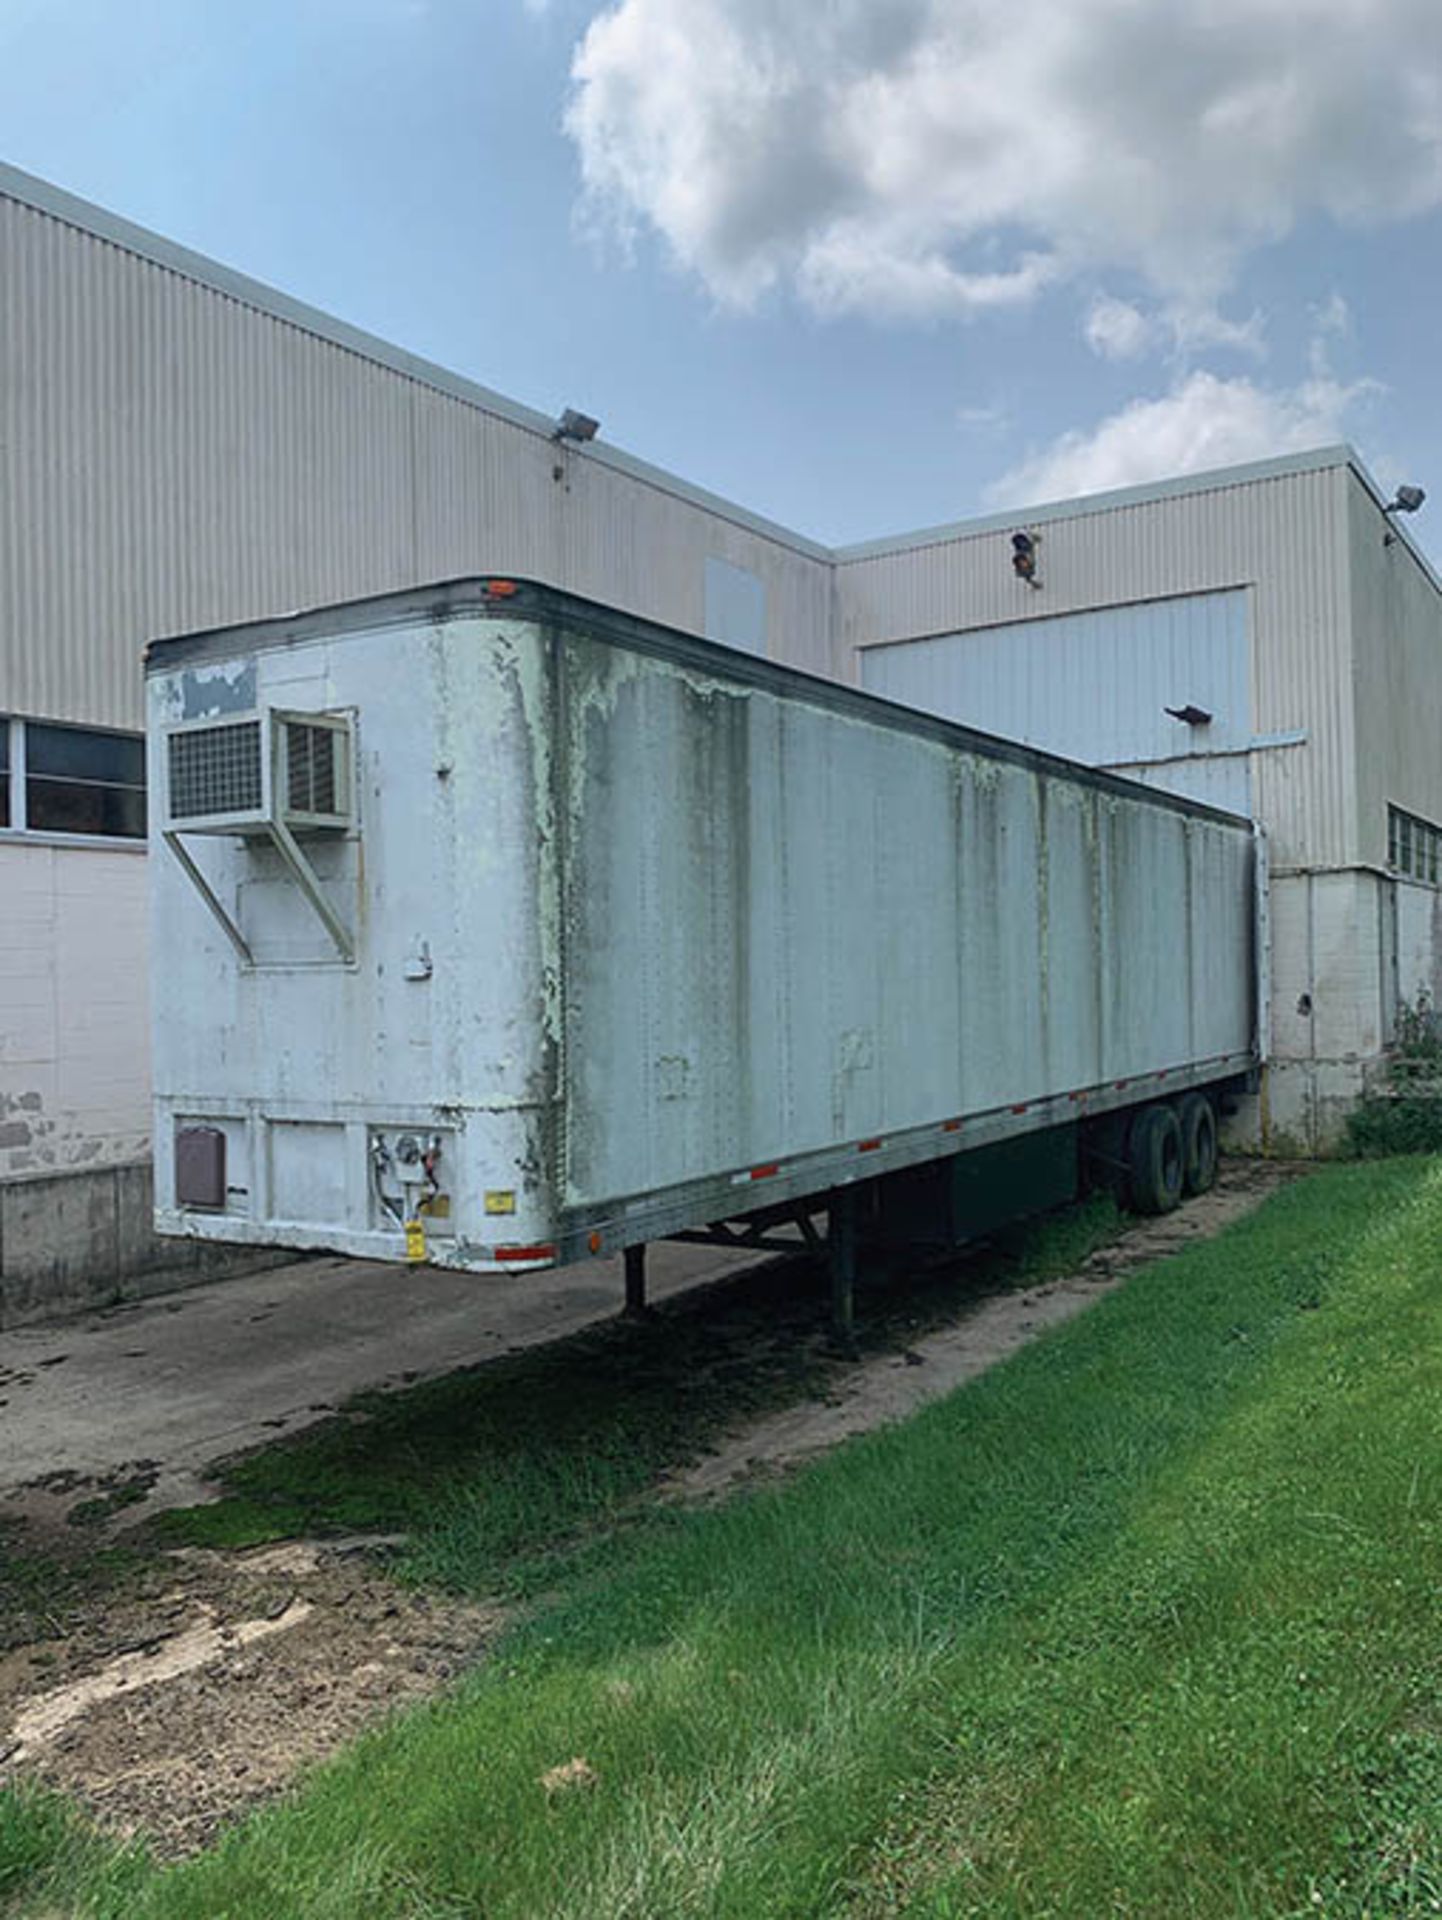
[756,1235]
[301,871]
[209,896]
[304,876]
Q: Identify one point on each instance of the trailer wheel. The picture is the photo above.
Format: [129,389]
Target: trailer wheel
[1154,1160]
[1198,1120]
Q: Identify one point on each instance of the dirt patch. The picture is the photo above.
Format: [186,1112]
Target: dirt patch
[206,1689]
[889,1386]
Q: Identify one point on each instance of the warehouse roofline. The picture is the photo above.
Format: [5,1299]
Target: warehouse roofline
[1079,506]
[1084,506]
[42,197]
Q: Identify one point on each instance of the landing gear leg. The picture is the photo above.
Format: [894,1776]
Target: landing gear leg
[636,1308]
[841,1252]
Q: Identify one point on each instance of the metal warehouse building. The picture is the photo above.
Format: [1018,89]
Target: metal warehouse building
[1291,620]
[182,447]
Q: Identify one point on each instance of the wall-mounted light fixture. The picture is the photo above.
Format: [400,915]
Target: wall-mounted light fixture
[576,426]
[1407,501]
[1023,556]
[1192,716]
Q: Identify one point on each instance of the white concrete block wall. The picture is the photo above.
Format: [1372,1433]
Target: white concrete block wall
[1331,1001]
[74,1033]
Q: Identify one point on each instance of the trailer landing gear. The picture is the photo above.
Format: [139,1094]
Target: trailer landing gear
[841,1258]
[636,1308]
[767,1232]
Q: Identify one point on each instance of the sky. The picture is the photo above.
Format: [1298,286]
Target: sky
[861,265]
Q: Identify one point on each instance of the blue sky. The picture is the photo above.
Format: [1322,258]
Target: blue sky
[863,266]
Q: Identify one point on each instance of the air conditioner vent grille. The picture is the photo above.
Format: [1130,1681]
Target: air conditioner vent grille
[215,770]
[312,769]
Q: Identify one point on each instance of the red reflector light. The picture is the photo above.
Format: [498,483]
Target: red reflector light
[765,1173]
[867,1146]
[1021,1108]
[501,589]
[525,1253]
[951,1126]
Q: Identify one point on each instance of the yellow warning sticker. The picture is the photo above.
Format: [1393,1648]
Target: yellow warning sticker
[502,1201]
[415,1240]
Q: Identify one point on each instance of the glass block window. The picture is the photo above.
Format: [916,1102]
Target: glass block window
[1414,846]
[82,780]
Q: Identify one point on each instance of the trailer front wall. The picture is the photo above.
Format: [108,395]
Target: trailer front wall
[786,928]
[445,1021]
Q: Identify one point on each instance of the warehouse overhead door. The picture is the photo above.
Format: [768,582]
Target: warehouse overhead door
[1097,686]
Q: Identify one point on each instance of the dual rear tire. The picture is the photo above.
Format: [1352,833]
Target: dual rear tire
[1172,1151]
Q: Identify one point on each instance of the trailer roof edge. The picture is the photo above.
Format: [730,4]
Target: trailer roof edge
[543,604]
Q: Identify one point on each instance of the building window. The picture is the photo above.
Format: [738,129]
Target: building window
[71,780]
[1414,847]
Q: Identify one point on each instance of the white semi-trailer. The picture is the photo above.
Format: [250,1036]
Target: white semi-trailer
[498,929]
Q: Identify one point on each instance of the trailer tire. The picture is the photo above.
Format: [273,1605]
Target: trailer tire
[1198,1118]
[1154,1158]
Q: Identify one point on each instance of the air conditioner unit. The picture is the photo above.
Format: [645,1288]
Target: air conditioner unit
[242,775]
[269,776]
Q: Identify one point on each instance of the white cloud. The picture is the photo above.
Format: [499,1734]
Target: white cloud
[1195,328]
[1117,330]
[1202,422]
[1333,319]
[923,157]
[982,419]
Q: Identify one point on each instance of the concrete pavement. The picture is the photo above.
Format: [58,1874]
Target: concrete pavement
[181,1380]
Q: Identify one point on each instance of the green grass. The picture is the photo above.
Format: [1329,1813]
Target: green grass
[1144,1622]
[43,1592]
[499,1474]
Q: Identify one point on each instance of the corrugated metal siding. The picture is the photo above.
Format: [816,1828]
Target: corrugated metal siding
[1224,782]
[175,458]
[1093,686]
[1284,537]
[1397,616]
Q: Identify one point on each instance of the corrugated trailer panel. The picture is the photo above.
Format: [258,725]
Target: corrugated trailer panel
[787,927]
[633,918]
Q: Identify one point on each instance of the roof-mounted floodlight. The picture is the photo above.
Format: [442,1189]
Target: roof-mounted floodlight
[1408,500]
[576,426]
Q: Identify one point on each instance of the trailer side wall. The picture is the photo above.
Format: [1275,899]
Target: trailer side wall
[788,929]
